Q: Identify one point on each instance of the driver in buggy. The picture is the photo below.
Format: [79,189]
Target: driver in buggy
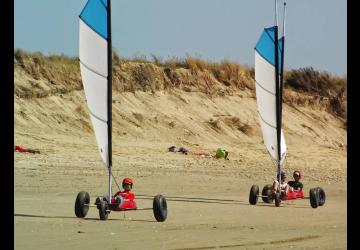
[296,186]
[125,198]
[283,186]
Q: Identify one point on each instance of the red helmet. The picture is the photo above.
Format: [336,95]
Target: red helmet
[127,181]
[297,173]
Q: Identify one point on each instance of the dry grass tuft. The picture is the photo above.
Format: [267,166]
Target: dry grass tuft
[215,124]
[85,125]
[235,123]
[172,124]
[81,111]
[144,75]
[139,117]
[247,129]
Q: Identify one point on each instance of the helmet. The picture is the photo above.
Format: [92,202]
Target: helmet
[297,173]
[282,174]
[127,181]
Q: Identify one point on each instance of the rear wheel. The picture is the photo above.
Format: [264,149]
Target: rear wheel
[314,197]
[253,196]
[267,192]
[103,206]
[81,209]
[322,196]
[277,199]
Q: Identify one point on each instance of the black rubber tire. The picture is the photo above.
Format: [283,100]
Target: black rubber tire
[277,199]
[253,196]
[314,197]
[267,191]
[81,199]
[103,206]
[322,196]
[160,208]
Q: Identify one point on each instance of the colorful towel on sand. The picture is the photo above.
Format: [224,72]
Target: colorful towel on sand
[29,150]
[183,150]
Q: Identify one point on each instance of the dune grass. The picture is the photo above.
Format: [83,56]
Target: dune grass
[56,74]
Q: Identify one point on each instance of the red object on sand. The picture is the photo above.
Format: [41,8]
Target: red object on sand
[21,149]
[202,154]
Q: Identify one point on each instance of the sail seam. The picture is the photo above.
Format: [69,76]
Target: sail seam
[264,88]
[103,4]
[266,122]
[95,116]
[92,70]
[264,57]
[84,8]
[267,33]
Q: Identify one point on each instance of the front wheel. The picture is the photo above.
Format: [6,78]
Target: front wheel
[277,199]
[160,208]
[253,196]
[103,207]
[81,202]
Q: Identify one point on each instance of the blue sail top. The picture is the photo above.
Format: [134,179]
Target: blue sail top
[266,46]
[94,15]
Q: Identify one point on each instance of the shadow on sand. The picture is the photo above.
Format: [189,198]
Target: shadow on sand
[194,199]
[219,201]
[74,217]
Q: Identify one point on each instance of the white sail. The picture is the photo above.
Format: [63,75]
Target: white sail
[266,84]
[94,65]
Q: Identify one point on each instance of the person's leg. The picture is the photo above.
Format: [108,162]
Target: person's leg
[275,186]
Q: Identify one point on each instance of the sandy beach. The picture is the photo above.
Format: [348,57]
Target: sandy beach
[207,198]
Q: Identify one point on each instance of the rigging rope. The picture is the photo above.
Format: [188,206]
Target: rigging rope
[115,181]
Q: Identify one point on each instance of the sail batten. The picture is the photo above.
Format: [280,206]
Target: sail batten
[268,124]
[99,118]
[264,88]
[92,70]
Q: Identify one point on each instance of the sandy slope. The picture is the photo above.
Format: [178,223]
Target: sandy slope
[144,125]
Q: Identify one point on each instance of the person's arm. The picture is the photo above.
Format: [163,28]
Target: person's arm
[290,186]
[127,196]
[298,187]
[131,196]
[117,193]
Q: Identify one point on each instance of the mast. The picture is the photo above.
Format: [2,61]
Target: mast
[109,95]
[282,64]
[276,21]
[277,92]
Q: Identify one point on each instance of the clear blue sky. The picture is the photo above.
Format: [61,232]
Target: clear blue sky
[316,31]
